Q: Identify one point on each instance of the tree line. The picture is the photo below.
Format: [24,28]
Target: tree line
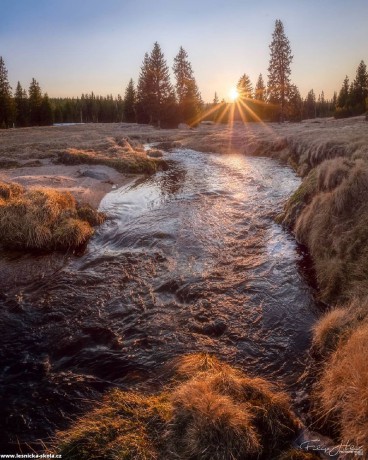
[156,101]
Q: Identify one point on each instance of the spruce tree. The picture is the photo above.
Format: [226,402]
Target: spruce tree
[21,106]
[144,92]
[244,88]
[215,99]
[260,91]
[189,98]
[310,105]
[46,112]
[343,97]
[279,69]
[7,109]
[129,103]
[35,102]
[360,89]
[295,104]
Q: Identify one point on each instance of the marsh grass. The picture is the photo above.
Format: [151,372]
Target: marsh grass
[342,391]
[209,411]
[43,218]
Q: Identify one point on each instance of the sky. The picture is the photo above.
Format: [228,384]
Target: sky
[78,46]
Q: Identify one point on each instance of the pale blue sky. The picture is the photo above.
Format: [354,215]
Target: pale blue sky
[74,46]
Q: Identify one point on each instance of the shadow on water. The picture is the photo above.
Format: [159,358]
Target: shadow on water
[190,260]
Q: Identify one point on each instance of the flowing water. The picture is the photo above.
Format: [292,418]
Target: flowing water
[190,260]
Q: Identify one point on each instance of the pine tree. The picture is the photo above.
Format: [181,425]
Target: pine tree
[279,69]
[245,88]
[260,92]
[189,98]
[360,89]
[215,99]
[129,103]
[7,108]
[35,102]
[21,106]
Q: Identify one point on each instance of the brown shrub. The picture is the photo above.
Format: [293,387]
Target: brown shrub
[343,389]
[71,233]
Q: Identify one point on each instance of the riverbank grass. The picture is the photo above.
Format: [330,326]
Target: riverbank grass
[212,412]
[43,218]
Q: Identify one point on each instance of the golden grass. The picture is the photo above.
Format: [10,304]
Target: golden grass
[297,454]
[126,426]
[333,227]
[328,329]
[43,219]
[342,390]
[122,160]
[210,412]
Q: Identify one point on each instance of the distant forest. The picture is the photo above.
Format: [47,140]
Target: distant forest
[156,101]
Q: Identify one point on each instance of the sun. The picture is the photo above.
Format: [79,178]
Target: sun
[233,93]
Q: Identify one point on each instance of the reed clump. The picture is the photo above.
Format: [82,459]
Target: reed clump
[209,410]
[43,218]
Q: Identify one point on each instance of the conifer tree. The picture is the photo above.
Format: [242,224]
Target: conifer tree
[35,102]
[189,98]
[279,68]
[245,88]
[46,112]
[129,103]
[7,109]
[21,106]
[215,99]
[144,92]
[260,91]
[360,89]
[343,97]
[155,93]
[295,104]
[310,105]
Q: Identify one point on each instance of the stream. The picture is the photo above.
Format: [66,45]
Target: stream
[190,260]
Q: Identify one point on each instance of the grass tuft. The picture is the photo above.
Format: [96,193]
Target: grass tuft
[342,390]
[43,219]
[211,412]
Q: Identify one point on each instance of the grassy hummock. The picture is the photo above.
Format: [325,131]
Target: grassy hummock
[43,218]
[209,410]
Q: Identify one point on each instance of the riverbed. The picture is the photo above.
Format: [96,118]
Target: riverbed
[190,260]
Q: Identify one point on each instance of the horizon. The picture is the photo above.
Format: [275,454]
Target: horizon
[71,50]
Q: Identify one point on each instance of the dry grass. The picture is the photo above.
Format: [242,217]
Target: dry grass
[216,413]
[297,454]
[343,389]
[333,227]
[126,426]
[43,219]
[328,329]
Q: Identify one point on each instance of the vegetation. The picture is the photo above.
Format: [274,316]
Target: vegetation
[187,93]
[279,69]
[43,219]
[209,411]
